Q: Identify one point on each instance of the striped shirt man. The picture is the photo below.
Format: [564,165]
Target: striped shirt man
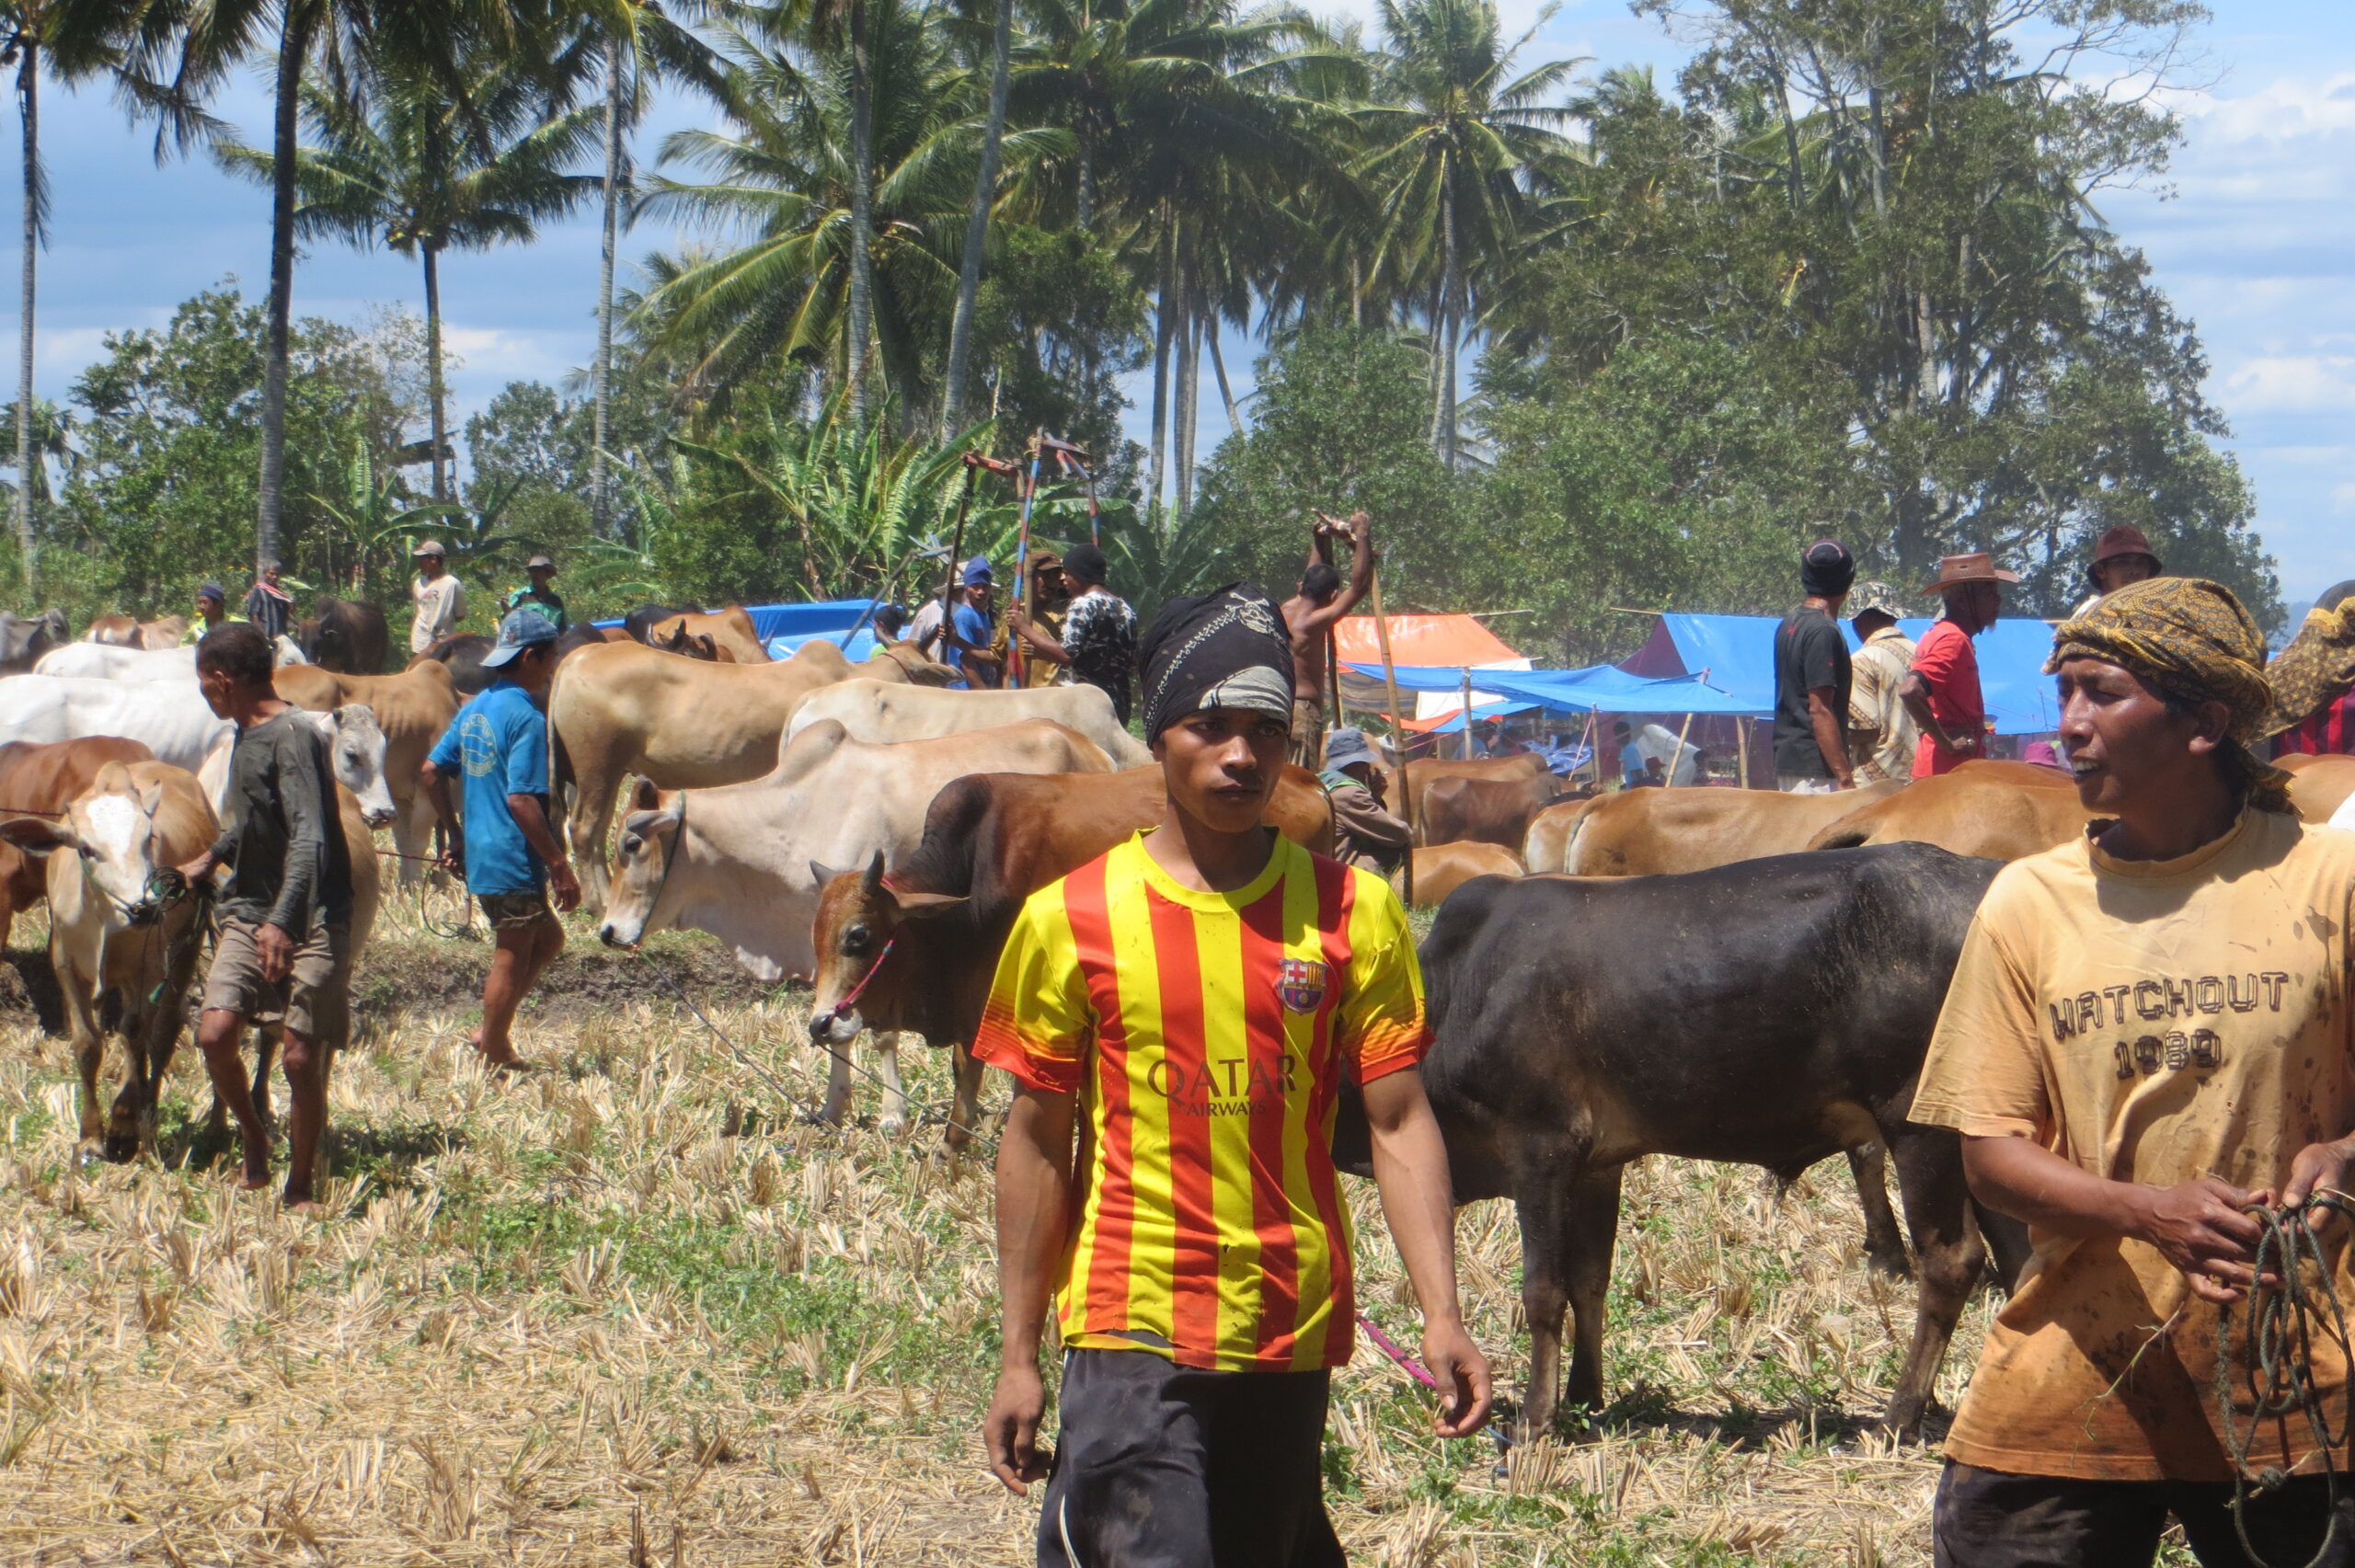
[1206,1035]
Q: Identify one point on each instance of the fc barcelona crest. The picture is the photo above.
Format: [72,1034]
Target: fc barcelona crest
[1299,984]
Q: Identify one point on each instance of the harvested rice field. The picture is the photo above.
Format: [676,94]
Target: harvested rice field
[629,1310]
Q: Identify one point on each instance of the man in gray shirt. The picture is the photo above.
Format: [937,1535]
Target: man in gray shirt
[284,952]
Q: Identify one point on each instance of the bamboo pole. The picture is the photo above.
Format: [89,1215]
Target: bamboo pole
[1010,678]
[1399,727]
[1677,756]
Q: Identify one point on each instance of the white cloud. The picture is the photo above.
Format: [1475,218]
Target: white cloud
[2292,383]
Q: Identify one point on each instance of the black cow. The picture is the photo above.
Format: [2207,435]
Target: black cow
[463,654]
[24,639]
[1772,1013]
[640,623]
[346,636]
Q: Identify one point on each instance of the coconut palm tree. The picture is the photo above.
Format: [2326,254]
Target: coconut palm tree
[422,175]
[176,54]
[1450,135]
[780,179]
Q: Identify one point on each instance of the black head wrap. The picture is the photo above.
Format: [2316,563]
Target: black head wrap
[1223,649]
[1827,568]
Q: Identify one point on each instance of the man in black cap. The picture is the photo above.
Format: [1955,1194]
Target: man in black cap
[1811,678]
[1226,981]
[538,594]
[1098,641]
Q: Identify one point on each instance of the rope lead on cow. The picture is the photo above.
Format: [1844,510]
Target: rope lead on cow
[2277,1356]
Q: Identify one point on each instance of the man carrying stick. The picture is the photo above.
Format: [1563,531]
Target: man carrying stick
[2149,1033]
[1196,996]
[1310,616]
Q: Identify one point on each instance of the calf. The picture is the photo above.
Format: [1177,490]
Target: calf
[1771,1012]
[916,952]
[42,778]
[1486,811]
[122,941]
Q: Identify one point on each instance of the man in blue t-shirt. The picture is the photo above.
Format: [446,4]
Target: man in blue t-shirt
[973,630]
[498,747]
[1636,769]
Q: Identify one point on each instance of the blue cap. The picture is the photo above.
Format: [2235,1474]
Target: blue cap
[522,629]
[976,570]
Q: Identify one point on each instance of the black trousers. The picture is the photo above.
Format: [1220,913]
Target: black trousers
[1162,1466]
[1986,1519]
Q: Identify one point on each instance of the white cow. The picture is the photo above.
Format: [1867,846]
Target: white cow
[886,711]
[171,720]
[745,862]
[103,661]
[355,750]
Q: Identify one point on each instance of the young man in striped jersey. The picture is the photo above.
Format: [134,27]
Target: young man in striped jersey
[1190,1004]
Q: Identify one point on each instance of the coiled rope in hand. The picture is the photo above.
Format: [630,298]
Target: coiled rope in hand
[2287,1313]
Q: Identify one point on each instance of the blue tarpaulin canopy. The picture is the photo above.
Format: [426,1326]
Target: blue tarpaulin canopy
[1739,653]
[1600,689]
[784,627]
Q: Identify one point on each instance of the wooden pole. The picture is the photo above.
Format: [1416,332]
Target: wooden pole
[1590,741]
[1011,679]
[956,550]
[1686,729]
[1405,783]
[1467,713]
[1741,735]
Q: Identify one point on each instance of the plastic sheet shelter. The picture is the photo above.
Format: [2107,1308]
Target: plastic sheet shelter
[1458,642]
[1738,651]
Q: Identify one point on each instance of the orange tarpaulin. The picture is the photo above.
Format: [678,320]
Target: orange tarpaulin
[1421,640]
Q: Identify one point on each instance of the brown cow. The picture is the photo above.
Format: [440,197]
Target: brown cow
[1488,811]
[123,955]
[42,778]
[1660,832]
[624,709]
[1428,771]
[990,841]
[730,631]
[122,631]
[413,708]
[2320,786]
[1994,810]
[1443,868]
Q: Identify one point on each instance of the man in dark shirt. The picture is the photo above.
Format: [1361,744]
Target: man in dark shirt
[1811,677]
[284,952]
[1098,637]
[539,593]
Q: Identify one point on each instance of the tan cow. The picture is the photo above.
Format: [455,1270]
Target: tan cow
[884,711]
[745,862]
[730,630]
[1443,868]
[623,709]
[2320,786]
[40,779]
[1659,833]
[1428,771]
[412,708]
[123,953]
[1997,810]
[1490,811]
[1548,842]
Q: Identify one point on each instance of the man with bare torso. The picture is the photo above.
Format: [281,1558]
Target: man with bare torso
[1310,614]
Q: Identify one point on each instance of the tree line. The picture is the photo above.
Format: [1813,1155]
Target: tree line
[1585,341]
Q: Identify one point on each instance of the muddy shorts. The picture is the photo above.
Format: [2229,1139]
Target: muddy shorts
[1985,1518]
[234,984]
[1163,1466]
[513,911]
[1307,734]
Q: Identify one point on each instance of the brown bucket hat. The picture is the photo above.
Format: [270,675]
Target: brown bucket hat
[1958,571]
[2124,539]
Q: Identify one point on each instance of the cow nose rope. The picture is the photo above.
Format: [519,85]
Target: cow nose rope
[839,1010]
[839,1053]
[2276,1364]
[1499,1418]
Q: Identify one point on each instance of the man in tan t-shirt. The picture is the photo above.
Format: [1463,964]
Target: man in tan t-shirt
[2148,1031]
[440,597]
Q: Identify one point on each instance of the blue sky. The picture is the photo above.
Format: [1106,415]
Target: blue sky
[2252,233]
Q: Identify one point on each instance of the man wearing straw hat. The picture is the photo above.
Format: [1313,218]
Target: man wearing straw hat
[2149,1032]
[1881,734]
[1179,1016]
[1942,689]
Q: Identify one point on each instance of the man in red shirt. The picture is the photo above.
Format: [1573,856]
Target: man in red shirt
[1942,689]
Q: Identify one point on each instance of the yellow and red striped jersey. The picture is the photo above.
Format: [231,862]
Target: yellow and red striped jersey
[1206,1035]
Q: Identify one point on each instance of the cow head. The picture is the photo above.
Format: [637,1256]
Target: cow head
[859,919]
[356,748]
[650,838]
[110,827]
[24,639]
[690,645]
